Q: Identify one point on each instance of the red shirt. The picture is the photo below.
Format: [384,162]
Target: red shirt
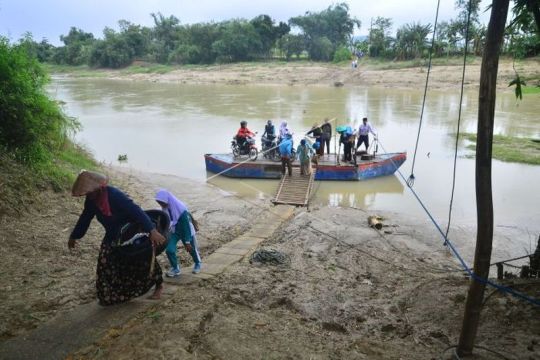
[244,132]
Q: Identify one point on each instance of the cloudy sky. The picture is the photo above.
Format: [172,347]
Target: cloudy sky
[51,18]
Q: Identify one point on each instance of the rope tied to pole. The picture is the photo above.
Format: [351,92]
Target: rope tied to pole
[456,253]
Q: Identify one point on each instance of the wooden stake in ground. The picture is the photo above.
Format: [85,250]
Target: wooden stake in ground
[484,200]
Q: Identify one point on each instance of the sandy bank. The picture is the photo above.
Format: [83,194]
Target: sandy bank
[323,74]
[347,292]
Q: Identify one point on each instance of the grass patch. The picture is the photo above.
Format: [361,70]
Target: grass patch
[530,90]
[511,149]
[383,64]
[75,71]
[20,182]
[148,69]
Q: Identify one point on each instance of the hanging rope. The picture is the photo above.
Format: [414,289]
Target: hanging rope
[456,253]
[459,119]
[410,181]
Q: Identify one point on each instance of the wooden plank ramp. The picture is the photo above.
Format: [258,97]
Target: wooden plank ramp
[295,189]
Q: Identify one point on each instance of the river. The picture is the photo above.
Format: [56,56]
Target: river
[167,127]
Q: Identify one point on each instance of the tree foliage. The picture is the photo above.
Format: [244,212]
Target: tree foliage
[379,37]
[411,40]
[333,26]
[319,34]
[292,45]
[32,126]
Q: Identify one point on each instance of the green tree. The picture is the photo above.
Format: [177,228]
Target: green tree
[43,51]
[113,51]
[33,126]
[76,49]
[342,54]
[238,42]
[165,36]
[333,24]
[411,40]
[292,45]
[268,32]
[379,37]
[321,49]
[137,37]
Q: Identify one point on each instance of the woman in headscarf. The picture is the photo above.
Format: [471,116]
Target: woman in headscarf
[118,279]
[181,229]
[305,151]
[283,131]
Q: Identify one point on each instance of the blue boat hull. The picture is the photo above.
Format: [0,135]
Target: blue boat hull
[382,165]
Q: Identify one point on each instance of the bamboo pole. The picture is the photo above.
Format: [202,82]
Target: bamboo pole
[484,199]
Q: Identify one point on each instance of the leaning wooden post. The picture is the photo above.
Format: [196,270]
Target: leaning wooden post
[484,200]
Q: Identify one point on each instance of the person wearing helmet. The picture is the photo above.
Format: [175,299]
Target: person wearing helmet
[269,130]
[243,133]
[269,133]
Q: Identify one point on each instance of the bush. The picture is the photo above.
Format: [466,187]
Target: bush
[342,54]
[321,49]
[185,54]
[33,127]
[113,52]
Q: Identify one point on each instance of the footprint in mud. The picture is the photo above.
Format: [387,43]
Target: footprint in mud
[286,303]
[335,327]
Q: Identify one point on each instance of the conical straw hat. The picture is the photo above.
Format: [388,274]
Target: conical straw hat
[87,182]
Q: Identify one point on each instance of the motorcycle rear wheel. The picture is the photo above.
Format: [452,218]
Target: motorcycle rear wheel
[253,153]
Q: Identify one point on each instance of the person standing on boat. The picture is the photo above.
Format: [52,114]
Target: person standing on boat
[363,133]
[326,136]
[284,131]
[346,138]
[317,133]
[305,151]
[269,130]
[285,150]
[269,134]
[118,279]
[243,133]
[182,228]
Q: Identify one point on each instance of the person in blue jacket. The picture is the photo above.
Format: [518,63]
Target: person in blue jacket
[181,229]
[118,279]
[285,150]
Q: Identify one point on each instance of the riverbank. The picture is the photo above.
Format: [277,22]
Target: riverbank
[347,292]
[510,149]
[446,73]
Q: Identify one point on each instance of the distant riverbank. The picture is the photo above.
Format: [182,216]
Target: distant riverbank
[446,73]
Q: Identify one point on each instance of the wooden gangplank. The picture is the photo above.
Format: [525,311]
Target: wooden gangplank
[295,189]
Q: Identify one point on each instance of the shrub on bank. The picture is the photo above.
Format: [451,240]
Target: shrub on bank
[34,131]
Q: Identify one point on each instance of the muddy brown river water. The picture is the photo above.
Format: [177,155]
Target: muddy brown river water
[166,128]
